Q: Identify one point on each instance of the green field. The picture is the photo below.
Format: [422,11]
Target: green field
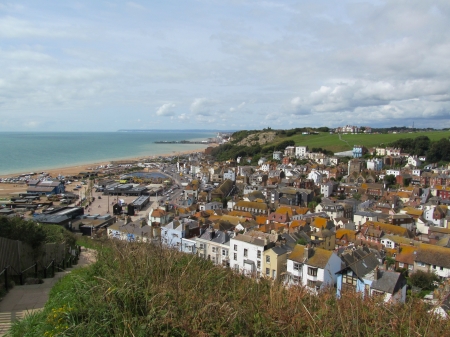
[333,143]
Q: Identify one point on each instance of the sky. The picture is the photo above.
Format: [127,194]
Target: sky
[223,64]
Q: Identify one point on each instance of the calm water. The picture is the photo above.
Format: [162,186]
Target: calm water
[26,152]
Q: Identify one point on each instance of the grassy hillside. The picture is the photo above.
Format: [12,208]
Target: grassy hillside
[143,290]
[333,143]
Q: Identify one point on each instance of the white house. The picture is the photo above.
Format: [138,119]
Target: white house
[157,216]
[300,151]
[414,161]
[277,155]
[315,268]
[394,172]
[247,250]
[327,188]
[375,164]
[316,176]
[230,175]
[211,206]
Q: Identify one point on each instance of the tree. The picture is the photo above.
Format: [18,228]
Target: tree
[302,241]
[423,280]
[390,180]
[312,205]
[357,196]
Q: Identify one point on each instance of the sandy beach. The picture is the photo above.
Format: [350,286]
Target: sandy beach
[7,189]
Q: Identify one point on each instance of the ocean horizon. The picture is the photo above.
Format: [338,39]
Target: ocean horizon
[23,152]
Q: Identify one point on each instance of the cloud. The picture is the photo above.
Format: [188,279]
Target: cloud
[203,106]
[166,109]
[135,5]
[348,95]
[13,28]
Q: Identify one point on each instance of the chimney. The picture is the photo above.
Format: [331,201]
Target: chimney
[307,252]
[376,274]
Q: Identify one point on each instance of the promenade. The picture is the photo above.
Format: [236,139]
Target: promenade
[24,300]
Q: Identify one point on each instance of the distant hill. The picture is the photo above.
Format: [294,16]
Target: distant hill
[257,143]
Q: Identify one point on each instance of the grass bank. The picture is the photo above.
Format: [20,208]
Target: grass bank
[143,290]
[332,142]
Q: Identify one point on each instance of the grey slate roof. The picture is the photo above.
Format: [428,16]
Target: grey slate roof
[361,261]
[388,282]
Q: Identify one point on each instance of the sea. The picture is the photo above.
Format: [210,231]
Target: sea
[24,152]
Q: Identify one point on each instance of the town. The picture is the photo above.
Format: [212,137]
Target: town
[355,224]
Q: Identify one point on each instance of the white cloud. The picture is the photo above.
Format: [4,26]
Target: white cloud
[203,106]
[13,28]
[135,5]
[167,109]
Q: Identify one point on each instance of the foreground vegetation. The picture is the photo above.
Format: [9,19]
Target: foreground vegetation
[144,290]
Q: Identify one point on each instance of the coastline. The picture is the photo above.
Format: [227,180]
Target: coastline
[75,169]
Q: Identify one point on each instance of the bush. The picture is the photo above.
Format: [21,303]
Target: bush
[423,280]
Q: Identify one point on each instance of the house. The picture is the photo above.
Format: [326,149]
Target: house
[431,258]
[327,188]
[274,262]
[300,151]
[277,155]
[332,210]
[257,208]
[131,231]
[315,268]
[361,273]
[247,250]
[157,217]
[214,245]
[359,151]
[375,164]
[173,234]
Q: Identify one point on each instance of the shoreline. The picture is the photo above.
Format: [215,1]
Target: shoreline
[76,169]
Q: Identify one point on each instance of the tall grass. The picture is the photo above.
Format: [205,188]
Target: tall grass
[144,290]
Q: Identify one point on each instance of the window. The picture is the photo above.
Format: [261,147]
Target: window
[245,252]
[202,246]
[267,271]
[434,266]
[296,279]
[213,249]
[312,271]
[267,259]
[349,279]
[224,252]
[421,264]
[235,257]
[259,254]
[235,247]
[410,267]
[297,266]
[311,284]
[258,264]
[441,268]
[401,264]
